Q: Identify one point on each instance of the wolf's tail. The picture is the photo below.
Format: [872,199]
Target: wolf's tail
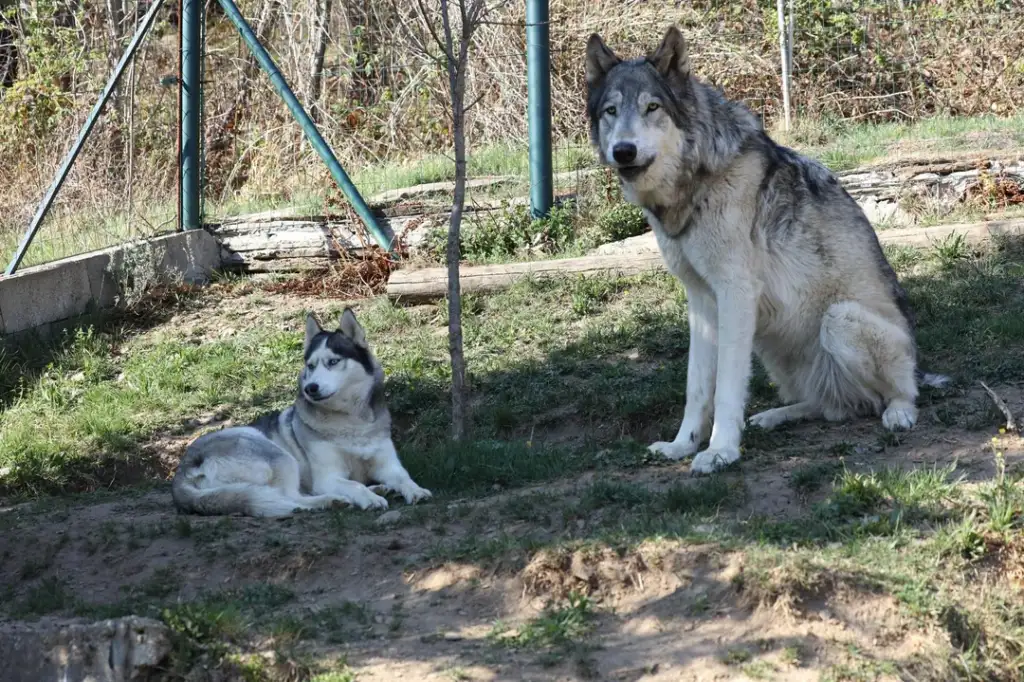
[933,380]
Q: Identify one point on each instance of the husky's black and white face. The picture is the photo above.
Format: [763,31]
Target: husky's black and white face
[638,108]
[339,371]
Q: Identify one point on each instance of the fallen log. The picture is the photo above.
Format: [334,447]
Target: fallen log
[426,284]
[431,283]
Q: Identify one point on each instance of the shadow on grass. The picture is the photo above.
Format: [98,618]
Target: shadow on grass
[567,375]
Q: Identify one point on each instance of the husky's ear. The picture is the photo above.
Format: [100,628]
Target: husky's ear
[350,327]
[600,60]
[312,329]
[671,57]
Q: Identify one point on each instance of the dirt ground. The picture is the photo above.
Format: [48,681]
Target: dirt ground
[410,595]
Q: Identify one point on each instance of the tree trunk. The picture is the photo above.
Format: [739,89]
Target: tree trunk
[321,35]
[457,86]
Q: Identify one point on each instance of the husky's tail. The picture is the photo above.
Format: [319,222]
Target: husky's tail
[232,498]
[932,380]
[223,498]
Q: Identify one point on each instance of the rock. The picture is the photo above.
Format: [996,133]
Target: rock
[118,650]
[389,518]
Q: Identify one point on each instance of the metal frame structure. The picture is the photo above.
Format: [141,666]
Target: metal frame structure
[190,95]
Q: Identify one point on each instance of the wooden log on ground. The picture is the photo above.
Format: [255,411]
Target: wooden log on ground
[426,284]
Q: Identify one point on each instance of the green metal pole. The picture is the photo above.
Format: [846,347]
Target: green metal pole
[538,78]
[191,87]
[308,126]
[83,134]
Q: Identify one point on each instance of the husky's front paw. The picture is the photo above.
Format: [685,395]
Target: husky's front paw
[366,499]
[713,459]
[673,450]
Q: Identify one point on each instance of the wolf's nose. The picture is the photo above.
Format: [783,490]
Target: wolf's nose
[312,390]
[624,152]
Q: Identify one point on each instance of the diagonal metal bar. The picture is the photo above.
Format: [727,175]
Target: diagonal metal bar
[94,115]
[308,126]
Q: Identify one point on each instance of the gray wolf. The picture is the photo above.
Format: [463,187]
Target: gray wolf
[320,451]
[775,257]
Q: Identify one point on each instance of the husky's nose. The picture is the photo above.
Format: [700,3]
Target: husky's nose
[312,390]
[624,152]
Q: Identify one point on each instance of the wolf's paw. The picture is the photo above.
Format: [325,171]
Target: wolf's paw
[713,459]
[673,451]
[767,420]
[413,493]
[899,416]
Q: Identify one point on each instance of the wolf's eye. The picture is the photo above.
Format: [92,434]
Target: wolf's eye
[610,111]
[332,362]
[653,106]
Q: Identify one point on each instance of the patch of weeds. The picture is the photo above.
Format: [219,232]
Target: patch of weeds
[704,497]
[808,477]
[49,596]
[199,629]
[164,582]
[397,619]
[759,670]
[1003,500]
[342,622]
[558,626]
[951,250]
[858,671]
[792,656]
[343,674]
[736,656]
[619,221]
[590,293]
[880,502]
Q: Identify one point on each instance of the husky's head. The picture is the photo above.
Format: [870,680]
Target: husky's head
[340,372]
[638,108]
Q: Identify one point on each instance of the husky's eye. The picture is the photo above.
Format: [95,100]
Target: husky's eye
[610,111]
[653,106]
[311,366]
[332,362]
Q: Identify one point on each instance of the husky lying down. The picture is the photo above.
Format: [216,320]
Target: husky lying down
[322,450]
[775,256]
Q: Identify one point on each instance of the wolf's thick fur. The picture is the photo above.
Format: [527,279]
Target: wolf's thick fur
[323,449]
[775,256]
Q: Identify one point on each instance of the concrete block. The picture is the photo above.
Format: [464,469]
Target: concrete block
[40,295]
[120,650]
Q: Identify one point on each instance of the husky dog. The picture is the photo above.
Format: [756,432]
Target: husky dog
[322,450]
[775,257]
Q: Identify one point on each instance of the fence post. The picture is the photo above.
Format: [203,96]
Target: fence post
[191,86]
[538,76]
[784,56]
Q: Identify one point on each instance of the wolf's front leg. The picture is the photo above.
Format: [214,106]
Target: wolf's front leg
[700,377]
[388,470]
[737,322]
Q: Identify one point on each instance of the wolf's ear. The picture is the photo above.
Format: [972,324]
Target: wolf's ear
[312,329]
[672,56]
[350,327]
[600,60]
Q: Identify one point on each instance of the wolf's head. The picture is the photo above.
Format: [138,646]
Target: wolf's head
[340,372]
[639,109]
